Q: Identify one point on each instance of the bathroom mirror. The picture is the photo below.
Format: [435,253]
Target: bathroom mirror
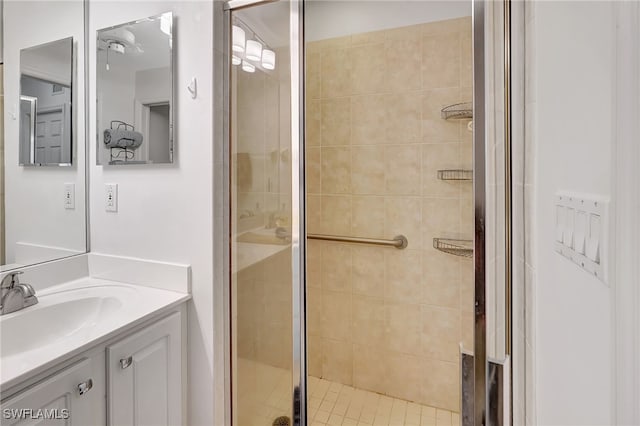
[135,92]
[46,92]
[43,209]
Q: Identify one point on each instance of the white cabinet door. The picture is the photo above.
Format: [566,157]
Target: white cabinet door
[144,376]
[72,397]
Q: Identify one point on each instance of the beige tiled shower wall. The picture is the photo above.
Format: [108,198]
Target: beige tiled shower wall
[383,319]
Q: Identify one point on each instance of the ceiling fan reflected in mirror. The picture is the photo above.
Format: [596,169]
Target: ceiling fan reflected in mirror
[121,41]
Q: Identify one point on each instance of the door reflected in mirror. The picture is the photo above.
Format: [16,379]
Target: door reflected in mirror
[135,92]
[46,90]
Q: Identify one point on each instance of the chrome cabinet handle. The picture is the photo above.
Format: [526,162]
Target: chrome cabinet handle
[85,386]
[126,362]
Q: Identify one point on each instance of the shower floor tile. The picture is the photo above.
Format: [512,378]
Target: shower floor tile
[332,403]
[264,395]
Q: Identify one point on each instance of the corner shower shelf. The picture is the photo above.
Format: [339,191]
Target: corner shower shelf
[459,111]
[455,174]
[463,248]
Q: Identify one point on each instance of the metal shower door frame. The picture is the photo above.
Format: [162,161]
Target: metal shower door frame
[480,398]
[298,207]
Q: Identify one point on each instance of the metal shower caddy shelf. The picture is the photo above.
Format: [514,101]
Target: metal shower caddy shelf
[462,248]
[460,111]
[455,174]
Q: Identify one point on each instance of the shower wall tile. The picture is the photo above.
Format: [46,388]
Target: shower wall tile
[387,320]
[367,169]
[313,89]
[368,68]
[336,215]
[403,57]
[335,71]
[337,361]
[440,279]
[368,126]
[313,124]
[336,316]
[403,328]
[336,268]
[314,358]
[367,216]
[440,383]
[336,170]
[314,214]
[441,61]
[402,169]
[368,271]
[403,215]
[402,371]
[336,121]
[403,117]
[369,321]
[466,61]
[314,183]
[369,368]
[403,273]
[441,332]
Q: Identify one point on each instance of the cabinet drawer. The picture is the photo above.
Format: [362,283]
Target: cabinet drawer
[72,397]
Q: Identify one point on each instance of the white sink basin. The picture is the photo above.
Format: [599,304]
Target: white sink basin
[41,325]
[70,318]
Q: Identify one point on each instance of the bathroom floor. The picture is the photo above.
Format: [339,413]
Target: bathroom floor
[265,395]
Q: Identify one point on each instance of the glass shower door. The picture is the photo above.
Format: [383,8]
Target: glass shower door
[266,214]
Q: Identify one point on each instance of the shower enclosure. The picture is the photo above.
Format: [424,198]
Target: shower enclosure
[366,285]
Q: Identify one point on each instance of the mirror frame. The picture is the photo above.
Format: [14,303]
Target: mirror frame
[85,114]
[172,96]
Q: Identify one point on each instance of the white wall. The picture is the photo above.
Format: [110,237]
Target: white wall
[165,211]
[34,200]
[572,129]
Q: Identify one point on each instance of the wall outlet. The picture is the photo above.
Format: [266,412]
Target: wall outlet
[111,197]
[70,196]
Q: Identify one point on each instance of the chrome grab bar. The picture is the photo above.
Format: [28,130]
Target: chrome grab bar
[399,241]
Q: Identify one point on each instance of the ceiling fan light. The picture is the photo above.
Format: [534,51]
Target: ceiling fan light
[254,50]
[238,38]
[268,59]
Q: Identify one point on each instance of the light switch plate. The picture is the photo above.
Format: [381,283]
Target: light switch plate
[70,196]
[111,197]
[584,231]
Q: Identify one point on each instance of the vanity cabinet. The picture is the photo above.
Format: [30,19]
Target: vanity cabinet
[74,396]
[142,384]
[144,376]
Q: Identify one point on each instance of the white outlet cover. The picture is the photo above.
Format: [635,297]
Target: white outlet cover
[70,196]
[111,197]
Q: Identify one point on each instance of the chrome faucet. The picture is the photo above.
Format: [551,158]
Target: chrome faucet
[14,295]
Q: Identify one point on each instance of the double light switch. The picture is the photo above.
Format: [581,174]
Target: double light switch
[581,231]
